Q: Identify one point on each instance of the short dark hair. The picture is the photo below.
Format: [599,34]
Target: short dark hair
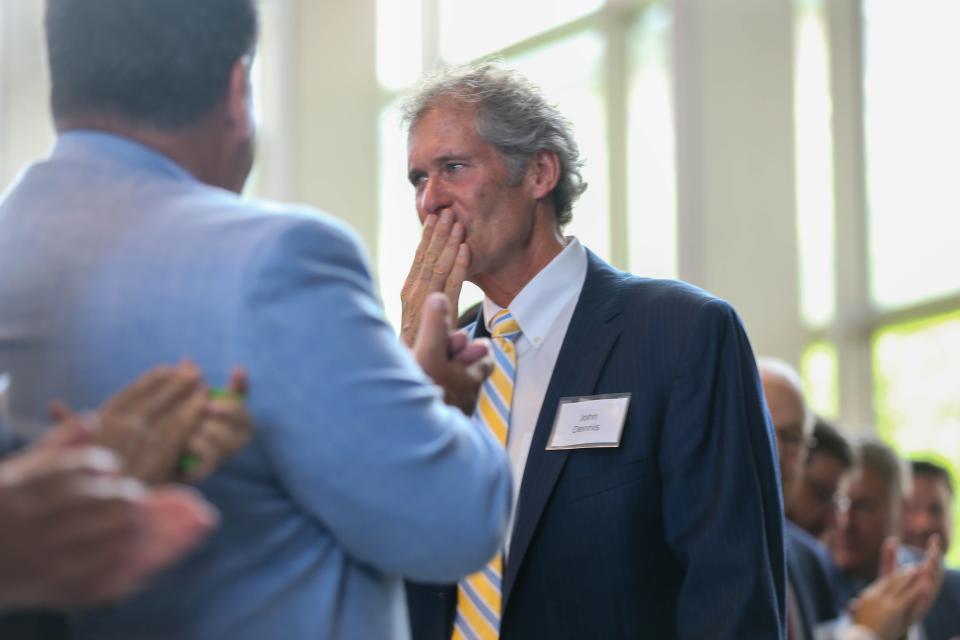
[162,63]
[828,440]
[932,469]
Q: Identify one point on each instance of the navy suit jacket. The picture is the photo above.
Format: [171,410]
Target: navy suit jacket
[809,571]
[943,620]
[676,533]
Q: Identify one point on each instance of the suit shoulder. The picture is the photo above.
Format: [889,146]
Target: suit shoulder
[274,227]
[801,544]
[674,301]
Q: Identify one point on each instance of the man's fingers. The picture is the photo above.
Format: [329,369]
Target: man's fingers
[168,396]
[434,251]
[434,330]
[889,560]
[60,411]
[444,265]
[934,555]
[429,224]
[458,273]
[137,392]
[481,369]
[48,476]
[474,351]
[70,432]
[239,383]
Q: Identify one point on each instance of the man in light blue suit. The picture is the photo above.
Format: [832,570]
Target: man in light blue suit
[129,246]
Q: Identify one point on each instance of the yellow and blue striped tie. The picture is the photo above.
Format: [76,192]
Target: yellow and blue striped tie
[479,595]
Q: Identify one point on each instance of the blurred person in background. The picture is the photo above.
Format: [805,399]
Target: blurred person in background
[809,591]
[829,457]
[893,602]
[928,507]
[928,513]
[870,504]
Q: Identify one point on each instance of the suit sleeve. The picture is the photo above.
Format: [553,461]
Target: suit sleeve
[358,435]
[723,512]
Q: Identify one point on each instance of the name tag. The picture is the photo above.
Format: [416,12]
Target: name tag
[589,422]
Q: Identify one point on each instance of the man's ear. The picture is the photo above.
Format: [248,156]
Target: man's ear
[543,173]
[239,98]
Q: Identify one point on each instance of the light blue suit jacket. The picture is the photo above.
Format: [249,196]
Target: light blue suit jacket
[113,259]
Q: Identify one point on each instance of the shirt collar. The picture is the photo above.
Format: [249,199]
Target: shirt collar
[539,303]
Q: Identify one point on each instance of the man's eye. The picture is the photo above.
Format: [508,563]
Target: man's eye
[453,166]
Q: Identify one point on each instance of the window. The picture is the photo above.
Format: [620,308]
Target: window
[912,137]
[651,163]
[471,30]
[818,369]
[916,372]
[880,291]
[814,166]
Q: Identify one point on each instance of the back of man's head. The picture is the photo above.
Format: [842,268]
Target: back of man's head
[162,64]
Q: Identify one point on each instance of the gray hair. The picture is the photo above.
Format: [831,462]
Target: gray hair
[777,368]
[512,116]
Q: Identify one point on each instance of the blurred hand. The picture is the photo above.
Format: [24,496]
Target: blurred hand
[900,597]
[148,423]
[225,429]
[439,265]
[452,360]
[167,426]
[75,533]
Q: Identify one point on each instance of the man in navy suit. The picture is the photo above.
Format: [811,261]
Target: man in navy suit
[927,511]
[647,500]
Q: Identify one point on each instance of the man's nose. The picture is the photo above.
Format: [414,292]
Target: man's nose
[434,198]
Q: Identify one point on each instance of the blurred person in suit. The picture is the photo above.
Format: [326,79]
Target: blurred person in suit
[885,610]
[130,246]
[810,597]
[829,457]
[653,512]
[871,499]
[928,507]
[928,512]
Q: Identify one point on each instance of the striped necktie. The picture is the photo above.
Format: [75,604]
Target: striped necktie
[478,595]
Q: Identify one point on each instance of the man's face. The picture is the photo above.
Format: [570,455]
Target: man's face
[814,505]
[864,521]
[788,414]
[454,170]
[926,511]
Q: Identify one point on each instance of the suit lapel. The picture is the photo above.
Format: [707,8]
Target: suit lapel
[586,346]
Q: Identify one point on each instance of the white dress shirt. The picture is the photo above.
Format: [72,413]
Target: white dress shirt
[543,310]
